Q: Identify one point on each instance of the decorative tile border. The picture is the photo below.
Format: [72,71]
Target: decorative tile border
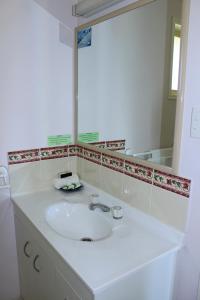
[172,183]
[92,155]
[138,171]
[53,152]
[100,145]
[73,150]
[80,151]
[163,180]
[110,145]
[113,163]
[115,145]
[24,156]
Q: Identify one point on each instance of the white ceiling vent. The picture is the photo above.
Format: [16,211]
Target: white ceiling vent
[87,8]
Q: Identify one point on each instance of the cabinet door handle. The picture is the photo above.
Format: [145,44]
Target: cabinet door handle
[35,262]
[25,249]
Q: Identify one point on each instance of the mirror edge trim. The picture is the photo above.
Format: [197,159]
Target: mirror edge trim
[176,160]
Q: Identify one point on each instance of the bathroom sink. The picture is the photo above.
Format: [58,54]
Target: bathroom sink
[77,222]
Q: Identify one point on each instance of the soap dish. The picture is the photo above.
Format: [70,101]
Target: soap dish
[72,187]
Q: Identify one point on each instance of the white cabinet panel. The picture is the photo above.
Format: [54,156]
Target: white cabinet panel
[36,271]
[43,275]
[63,290]
[25,256]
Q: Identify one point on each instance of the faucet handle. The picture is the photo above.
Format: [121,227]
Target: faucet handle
[117,212]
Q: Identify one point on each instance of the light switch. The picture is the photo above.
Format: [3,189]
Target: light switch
[195,124]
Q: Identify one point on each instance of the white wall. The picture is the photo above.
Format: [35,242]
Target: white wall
[121,78]
[61,10]
[35,79]
[35,97]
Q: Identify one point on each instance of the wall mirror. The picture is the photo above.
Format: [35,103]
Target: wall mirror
[128,70]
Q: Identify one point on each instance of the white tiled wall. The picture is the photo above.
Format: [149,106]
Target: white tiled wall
[170,208]
[39,175]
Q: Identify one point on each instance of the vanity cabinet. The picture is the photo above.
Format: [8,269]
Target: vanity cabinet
[63,290]
[54,268]
[35,267]
[40,277]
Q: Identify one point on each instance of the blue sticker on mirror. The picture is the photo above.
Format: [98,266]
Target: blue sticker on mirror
[85,38]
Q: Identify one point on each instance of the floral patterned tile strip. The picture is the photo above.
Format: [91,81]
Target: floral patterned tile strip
[80,151]
[110,145]
[23,156]
[113,163]
[172,183]
[73,150]
[92,155]
[138,171]
[163,180]
[115,145]
[100,145]
[54,152]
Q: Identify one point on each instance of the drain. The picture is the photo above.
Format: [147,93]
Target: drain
[86,239]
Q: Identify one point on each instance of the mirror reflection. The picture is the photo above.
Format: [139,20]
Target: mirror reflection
[128,70]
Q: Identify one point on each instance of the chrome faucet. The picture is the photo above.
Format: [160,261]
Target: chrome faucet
[104,208]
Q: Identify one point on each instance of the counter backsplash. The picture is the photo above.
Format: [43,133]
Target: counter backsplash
[162,195]
[158,178]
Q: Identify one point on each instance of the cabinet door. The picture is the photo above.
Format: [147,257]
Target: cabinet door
[63,291]
[25,257]
[36,270]
[43,275]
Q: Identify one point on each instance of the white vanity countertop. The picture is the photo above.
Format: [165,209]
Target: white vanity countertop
[140,239]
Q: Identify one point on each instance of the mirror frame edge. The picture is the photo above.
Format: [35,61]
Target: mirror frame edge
[174,169]
[176,161]
[75,88]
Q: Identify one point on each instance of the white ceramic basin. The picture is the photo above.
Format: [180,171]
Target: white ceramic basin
[77,222]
